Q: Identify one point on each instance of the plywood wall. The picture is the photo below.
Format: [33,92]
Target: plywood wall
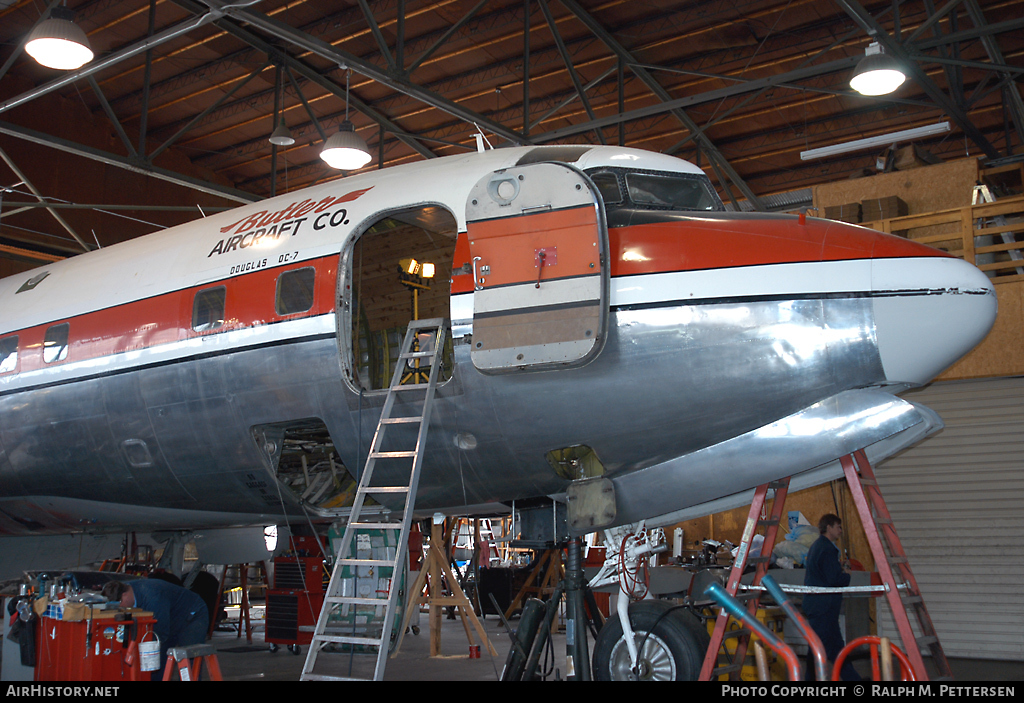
[942,187]
[1002,351]
[923,189]
[813,503]
[387,302]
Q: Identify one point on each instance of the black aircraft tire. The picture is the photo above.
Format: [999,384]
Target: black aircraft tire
[674,651]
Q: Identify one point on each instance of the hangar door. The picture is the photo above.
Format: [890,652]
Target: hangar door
[956,500]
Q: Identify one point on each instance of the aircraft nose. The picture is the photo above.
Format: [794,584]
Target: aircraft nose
[929,312]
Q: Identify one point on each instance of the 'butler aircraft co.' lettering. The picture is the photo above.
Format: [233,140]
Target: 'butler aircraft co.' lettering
[259,226]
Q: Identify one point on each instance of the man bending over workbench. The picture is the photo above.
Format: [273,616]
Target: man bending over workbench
[181,616]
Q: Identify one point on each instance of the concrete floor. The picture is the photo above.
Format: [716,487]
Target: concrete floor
[241,661]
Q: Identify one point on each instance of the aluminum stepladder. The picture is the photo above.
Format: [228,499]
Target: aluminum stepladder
[711,670]
[982,226]
[423,344]
[902,591]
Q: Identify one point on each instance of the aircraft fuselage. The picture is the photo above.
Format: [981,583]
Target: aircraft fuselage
[696,352]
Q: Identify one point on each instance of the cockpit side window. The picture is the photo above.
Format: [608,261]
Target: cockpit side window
[636,189]
[608,183]
[675,192]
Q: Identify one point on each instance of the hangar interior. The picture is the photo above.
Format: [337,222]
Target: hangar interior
[171,118]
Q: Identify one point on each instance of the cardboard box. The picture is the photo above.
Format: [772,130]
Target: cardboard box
[875,209]
[847,212]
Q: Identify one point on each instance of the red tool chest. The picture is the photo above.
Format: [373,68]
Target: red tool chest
[294,603]
[91,650]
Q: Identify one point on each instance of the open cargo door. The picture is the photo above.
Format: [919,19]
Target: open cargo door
[538,244]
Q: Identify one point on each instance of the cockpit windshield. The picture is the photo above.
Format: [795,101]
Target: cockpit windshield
[655,190]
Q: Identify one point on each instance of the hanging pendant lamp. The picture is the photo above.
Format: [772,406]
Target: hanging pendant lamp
[877,73]
[345,149]
[282,136]
[57,42]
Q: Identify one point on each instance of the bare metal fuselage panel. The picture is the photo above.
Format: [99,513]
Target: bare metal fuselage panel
[693,384]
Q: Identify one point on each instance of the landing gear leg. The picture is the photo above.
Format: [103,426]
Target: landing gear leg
[668,642]
[577,654]
[650,640]
[536,622]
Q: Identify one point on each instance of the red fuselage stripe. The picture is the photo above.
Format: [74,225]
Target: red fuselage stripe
[697,244]
[166,318]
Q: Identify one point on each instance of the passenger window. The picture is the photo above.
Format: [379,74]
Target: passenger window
[55,343]
[295,291]
[208,309]
[8,354]
[608,184]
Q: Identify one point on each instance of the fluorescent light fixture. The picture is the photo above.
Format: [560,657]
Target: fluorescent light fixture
[57,42]
[873,142]
[877,73]
[345,149]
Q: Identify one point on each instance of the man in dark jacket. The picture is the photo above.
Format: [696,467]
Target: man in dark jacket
[823,568]
[181,615]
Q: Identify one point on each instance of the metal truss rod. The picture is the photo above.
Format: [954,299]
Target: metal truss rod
[147,75]
[706,144]
[305,104]
[995,54]
[195,120]
[343,58]
[444,37]
[112,117]
[701,98]
[400,35]
[107,61]
[572,98]
[932,19]
[24,179]
[526,67]
[17,253]
[1004,68]
[278,99]
[21,45]
[88,152]
[378,37]
[896,49]
[954,76]
[973,33]
[570,69]
[313,75]
[140,208]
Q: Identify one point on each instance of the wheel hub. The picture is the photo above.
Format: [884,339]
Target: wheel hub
[654,662]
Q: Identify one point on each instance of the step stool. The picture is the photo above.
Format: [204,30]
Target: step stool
[197,653]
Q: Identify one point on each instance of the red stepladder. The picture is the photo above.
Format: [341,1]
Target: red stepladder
[712,669]
[902,592]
